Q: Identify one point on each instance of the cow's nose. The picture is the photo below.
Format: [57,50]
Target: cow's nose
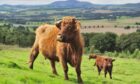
[60,37]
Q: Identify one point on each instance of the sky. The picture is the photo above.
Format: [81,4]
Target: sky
[39,2]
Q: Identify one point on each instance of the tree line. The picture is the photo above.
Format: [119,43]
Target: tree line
[102,42]
[20,35]
[94,42]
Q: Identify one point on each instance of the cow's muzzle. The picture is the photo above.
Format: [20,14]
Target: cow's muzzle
[60,38]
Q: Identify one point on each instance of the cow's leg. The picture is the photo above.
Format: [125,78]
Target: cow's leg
[33,56]
[99,70]
[65,68]
[53,67]
[105,72]
[78,71]
[94,64]
[110,73]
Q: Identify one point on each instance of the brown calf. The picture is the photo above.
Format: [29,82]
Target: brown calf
[104,63]
[61,42]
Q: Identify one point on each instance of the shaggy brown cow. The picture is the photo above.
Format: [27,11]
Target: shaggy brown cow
[104,63]
[61,42]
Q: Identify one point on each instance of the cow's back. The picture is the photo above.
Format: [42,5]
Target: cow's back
[100,61]
[46,36]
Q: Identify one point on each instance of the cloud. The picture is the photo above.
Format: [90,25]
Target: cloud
[34,2]
[112,1]
[27,2]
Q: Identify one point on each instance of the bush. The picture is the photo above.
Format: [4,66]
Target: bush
[86,50]
[104,42]
[138,30]
[137,23]
[124,54]
[127,27]
[20,35]
[135,53]
[128,42]
[87,37]
[115,26]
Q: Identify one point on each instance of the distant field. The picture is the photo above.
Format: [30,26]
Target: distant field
[118,31]
[14,70]
[109,26]
[120,21]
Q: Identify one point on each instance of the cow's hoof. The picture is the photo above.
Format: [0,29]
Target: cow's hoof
[31,67]
[66,78]
[80,81]
[55,73]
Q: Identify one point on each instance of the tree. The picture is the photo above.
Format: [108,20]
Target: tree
[128,42]
[104,42]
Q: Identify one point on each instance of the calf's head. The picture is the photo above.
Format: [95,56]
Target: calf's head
[109,61]
[92,56]
[69,27]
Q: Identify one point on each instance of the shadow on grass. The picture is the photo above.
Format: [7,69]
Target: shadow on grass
[88,82]
[74,81]
[10,65]
[117,79]
[53,76]
[33,80]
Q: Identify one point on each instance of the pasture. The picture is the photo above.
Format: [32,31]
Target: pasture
[122,21]
[116,26]
[14,70]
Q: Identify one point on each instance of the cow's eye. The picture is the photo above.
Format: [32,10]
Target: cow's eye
[70,27]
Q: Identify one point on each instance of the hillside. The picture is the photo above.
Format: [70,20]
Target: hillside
[70,4]
[14,70]
[22,14]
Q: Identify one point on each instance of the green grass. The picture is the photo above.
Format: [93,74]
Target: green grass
[14,70]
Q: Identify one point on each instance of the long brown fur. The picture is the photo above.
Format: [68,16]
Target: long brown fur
[103,63]
[48,44]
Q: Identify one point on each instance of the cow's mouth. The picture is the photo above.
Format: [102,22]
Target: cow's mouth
[60,38]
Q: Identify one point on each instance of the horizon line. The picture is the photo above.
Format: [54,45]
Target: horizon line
[52,2]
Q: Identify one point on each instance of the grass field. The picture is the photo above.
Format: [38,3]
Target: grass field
[14,70]
[123,21]
[109,26]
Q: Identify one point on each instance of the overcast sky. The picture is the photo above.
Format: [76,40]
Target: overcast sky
[38,2]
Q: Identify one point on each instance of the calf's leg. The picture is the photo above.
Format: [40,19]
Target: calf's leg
[99,70]
[53,67]
[110,73]
[105,72]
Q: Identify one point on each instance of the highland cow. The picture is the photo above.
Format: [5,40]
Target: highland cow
[103,62]
[61,42]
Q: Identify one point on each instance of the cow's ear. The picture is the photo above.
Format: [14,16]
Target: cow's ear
[113,60]
[78,25]
[58,24]
[94,56]
[106,59]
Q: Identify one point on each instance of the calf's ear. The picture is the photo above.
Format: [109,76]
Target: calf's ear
[106,59]
[94,56]
[89,57]
[58,24]
[113,60]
